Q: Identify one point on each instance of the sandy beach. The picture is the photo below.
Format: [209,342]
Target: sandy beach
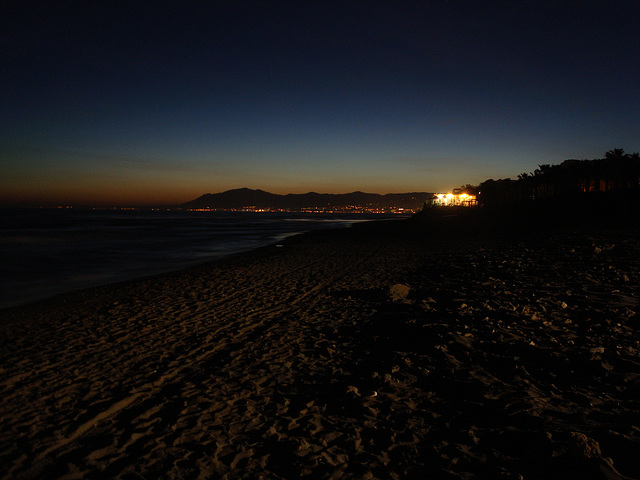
[387,351]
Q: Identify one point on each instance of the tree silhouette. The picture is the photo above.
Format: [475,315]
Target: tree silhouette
[623,169]
[617,171]
[617,154]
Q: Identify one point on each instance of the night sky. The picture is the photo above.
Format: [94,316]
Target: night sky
[158,102]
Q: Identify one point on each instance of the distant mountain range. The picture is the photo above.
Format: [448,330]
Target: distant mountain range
[246,198]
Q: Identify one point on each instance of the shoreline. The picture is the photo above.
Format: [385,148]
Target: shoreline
[46,262]
[92,292]
[377,351]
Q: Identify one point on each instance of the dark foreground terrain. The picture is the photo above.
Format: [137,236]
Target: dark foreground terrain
[447,346]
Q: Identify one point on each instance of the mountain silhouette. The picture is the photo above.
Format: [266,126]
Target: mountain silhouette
[246,197]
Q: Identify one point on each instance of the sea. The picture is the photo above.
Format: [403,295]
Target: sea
[46,252]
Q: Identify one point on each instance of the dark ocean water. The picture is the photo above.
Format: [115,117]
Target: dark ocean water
[45,252]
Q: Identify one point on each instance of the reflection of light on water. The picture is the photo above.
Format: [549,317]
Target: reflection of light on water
[283,236]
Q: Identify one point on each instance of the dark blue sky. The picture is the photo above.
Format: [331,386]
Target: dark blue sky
[161,102]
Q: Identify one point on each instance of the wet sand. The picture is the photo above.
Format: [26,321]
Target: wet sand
[388,351]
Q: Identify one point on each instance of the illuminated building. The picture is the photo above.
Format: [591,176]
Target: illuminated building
[455,199]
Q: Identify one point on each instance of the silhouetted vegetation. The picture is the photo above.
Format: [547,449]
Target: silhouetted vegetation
[588,194]
[572,180]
